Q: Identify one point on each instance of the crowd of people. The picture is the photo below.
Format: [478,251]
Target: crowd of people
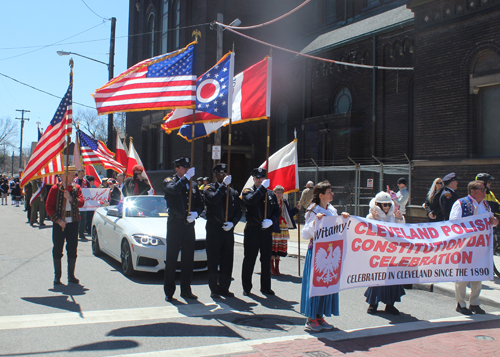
[269,217]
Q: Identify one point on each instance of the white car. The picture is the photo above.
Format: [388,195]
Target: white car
[134,233]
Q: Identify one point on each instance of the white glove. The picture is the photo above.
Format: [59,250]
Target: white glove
[266,183]
[189,173]
[192,216]
[267,222]
[227,180]
[227,226]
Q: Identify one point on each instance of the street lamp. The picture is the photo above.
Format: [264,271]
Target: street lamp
[111,65]
[65,53]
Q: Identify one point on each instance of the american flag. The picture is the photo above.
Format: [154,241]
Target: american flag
[162,82]
[53,167]
[52,141]
[214,93]
[95,152]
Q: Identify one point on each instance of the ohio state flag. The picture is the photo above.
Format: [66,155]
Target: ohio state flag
[283,169]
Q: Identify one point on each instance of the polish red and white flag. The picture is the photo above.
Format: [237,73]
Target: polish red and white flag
[134,159]
[121,152]
[283,169]
[91,171]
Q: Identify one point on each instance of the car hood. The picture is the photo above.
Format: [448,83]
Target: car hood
[153,226]
[158,226]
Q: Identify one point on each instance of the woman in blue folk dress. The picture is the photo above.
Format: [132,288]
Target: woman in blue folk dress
[316,307]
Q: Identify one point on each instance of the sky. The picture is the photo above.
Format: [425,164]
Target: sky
[32,33]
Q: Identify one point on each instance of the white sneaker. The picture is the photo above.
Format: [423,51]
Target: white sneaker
[324,325]
[313,325]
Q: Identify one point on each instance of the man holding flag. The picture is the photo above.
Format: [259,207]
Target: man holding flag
[258,231]
[137,184]
[180,227]
[63,203]
[220,231]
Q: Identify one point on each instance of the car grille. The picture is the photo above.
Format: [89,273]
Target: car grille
[148,262]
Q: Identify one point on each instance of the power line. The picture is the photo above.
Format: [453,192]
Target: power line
[94,11]
[40,90]
[102,39]
[53,44]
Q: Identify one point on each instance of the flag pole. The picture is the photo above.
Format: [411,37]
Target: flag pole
[195,34]
[267,150]
[298,220]
[68,138]
[229,165]
[298,237]
[192,160]
[229,157]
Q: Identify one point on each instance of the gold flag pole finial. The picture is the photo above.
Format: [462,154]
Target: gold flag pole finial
[196,34]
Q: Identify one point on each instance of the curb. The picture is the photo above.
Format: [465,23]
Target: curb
[247,346]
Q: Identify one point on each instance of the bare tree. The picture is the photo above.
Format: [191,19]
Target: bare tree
[97,125]
[9,132]
[93,124]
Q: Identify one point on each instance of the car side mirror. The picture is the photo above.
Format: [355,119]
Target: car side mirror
[113,212]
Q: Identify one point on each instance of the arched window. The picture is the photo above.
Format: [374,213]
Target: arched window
[164,28]
[281,125]
[151,35]
[177,24]
[342,101]
[485,83]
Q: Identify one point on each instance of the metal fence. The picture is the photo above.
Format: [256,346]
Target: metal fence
[355,185]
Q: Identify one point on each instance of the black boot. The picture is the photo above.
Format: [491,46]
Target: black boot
[57,271]
[71,271]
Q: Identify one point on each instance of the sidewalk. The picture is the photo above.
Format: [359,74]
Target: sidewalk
[457,339]
[490,293]
[457,336]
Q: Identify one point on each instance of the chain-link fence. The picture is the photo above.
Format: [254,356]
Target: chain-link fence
[355,185]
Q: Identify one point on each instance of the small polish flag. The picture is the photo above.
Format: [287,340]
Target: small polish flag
[283,169]
[121,152]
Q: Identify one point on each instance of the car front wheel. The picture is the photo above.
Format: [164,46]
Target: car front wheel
[96,250]
[127,267]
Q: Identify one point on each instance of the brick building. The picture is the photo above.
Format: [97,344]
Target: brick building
[443,114]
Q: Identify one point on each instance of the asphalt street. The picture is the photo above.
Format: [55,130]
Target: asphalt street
[109,314]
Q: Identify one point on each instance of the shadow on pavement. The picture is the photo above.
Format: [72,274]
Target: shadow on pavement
[97,346]
[367,343]
[59,302]
[172,329]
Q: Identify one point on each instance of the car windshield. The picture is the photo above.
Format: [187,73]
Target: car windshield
[145,206]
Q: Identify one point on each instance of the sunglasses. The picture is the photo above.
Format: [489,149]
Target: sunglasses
[385,204]
[439,183]
[480,189]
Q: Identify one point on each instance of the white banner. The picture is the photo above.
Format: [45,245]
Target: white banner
[356,252]
[94,198]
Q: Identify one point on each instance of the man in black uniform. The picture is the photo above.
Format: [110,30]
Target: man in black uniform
[180,227]
[220,233]
[258,231]
[448,195]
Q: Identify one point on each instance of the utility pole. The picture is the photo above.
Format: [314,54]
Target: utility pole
[111,66]
[38,128]
[22,119]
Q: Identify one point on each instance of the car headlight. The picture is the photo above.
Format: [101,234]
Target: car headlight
[146,239]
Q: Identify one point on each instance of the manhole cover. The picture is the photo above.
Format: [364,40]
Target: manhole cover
[260,323]
[484,338]
[318,354]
